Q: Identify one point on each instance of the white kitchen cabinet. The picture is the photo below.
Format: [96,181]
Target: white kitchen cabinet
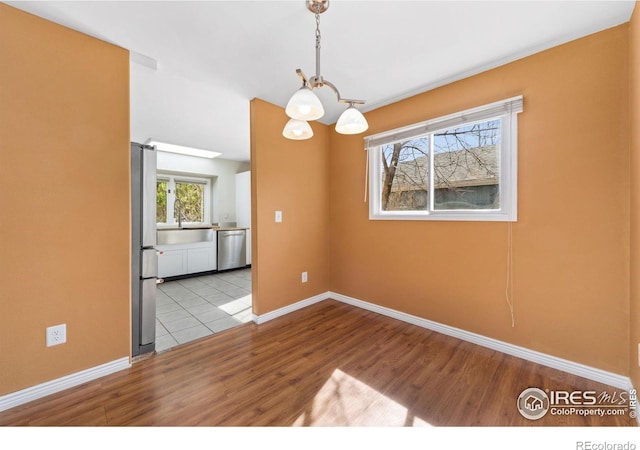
[172,262]
[182,259]
[201,259]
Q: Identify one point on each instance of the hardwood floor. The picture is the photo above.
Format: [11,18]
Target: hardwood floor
[330,364]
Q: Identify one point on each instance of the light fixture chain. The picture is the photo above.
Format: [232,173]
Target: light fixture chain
[318,37]
[318,30]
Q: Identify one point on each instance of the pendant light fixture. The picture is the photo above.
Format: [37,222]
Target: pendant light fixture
[304,105]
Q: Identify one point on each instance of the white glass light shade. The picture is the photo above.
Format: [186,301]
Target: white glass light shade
[304,105]
[297,130]
[351,122]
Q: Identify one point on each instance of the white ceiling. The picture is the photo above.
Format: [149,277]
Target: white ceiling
[213,57]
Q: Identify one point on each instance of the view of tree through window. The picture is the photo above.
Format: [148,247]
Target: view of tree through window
[161,201]
[466,173]
[405,182]
[187,197]
[191,196]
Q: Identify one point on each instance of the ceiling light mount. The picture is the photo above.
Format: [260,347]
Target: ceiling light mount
[305,105]
[317,6]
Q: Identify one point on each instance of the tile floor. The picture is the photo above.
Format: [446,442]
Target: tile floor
[193,308]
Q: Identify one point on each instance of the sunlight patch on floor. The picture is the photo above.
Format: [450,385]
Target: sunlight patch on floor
[345,401]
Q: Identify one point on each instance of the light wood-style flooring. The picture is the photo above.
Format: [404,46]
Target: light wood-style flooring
[329,364]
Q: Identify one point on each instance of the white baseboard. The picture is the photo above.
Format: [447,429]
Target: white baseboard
[51,387]
[591,373]
[611,379]
[289,308]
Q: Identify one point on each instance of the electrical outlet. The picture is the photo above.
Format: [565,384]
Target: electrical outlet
[278,216]
[56,335]
[305,278]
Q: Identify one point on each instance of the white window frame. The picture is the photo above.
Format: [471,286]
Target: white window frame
[171,180]
[505,110]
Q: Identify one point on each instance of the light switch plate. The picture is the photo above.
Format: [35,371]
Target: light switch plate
[278,216]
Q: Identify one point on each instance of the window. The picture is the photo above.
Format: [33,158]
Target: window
[161,201]
[187,195]
[191,197]
[458,167]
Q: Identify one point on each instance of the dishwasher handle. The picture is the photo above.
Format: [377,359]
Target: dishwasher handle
[232,233]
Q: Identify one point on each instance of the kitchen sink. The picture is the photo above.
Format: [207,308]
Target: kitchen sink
[185,236]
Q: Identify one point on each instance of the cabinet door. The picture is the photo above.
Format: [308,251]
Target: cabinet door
[201,259]
[172,263]
[243,199]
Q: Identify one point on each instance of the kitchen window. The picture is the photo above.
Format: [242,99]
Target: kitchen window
[458,167]
[188,196]
[161,201]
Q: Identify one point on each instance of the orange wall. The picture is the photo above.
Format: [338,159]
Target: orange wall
[292,177]
[571,241]
[634,63]
[64,178]
[64,124]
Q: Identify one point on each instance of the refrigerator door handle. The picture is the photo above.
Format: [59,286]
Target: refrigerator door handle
[149,180]
[149,267]
[148,312]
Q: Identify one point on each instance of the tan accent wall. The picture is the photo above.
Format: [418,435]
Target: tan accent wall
[292,177]
[571,241]
[64,179]
[634,68]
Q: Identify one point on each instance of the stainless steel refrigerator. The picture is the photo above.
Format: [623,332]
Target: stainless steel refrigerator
[144,258]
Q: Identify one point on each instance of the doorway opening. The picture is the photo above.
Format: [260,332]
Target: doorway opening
[195,307]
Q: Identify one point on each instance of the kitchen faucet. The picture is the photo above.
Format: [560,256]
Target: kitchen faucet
[178,203]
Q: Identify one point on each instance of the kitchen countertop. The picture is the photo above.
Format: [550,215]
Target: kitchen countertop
[197,227]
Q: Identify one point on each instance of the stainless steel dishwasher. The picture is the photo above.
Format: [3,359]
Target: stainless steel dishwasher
[232,249]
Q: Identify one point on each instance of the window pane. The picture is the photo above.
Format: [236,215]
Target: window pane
[466,167]
[191,196]
[161,201]
[404,175]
